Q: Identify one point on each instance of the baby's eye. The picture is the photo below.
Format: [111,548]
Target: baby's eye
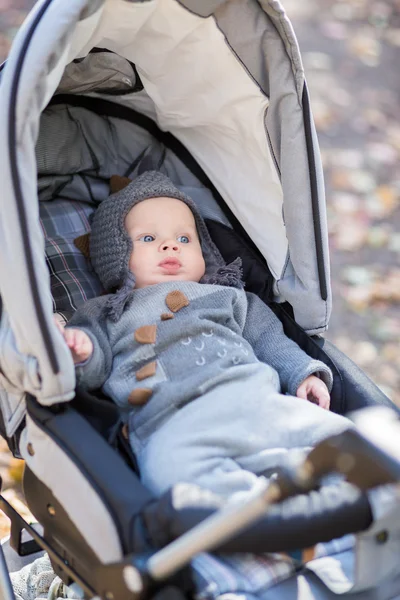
[183,239]
[147,238]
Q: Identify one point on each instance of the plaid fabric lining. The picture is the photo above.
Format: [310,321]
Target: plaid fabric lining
[65,217]
[72,279]
[246,574]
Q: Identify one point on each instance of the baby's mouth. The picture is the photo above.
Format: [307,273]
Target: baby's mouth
[170,264]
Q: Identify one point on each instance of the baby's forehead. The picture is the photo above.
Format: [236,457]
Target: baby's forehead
[157,208]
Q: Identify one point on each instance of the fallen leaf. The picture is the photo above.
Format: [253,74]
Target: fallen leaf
[388,197]
[364,45]
[16,470]
[19,505]
[385,329]
[392,36]
[345,203]
[340,179]
[382,202]
[387,288]
[378,236]
[391,353]
[357,276]
[358,298]
[334,30]
[389,375]
[362,181]
[365,352]
[394,242]
[343,11]
[382,153]
[351,235]
[317,60]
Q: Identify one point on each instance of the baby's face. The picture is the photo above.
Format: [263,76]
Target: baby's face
[166,246]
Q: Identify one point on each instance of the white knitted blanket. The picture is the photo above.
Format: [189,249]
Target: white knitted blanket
[37,581]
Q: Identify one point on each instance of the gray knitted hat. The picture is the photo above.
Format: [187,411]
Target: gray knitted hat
[111,246]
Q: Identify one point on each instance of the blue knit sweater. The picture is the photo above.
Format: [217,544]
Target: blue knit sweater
[176,340]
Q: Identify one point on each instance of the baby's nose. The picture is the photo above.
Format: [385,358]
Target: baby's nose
[170,245]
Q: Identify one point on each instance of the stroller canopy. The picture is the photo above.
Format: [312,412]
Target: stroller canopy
[226,79]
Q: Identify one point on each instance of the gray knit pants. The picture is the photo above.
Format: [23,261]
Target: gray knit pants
[224,439]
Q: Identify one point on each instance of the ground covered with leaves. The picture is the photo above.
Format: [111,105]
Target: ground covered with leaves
[351,52]
[351,55]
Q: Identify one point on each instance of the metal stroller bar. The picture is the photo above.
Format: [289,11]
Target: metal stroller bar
[214,530]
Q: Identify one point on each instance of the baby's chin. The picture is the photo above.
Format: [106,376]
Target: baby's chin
[165,279]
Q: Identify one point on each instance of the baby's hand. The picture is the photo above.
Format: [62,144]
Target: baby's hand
[79,343]
[314,390]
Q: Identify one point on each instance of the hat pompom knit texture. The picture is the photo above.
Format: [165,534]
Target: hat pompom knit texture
[111,246]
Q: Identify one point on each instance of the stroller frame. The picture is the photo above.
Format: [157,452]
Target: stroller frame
[27,317]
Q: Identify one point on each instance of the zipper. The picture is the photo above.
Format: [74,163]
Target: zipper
[323,288]
[12,137]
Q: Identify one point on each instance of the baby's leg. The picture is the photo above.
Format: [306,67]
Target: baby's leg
[177,454]
[234,432]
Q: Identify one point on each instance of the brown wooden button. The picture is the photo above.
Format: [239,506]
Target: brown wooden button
[176,300]
[118,183]
[146,371]
[166,316]
[139,396]
[82,243]
[146,334]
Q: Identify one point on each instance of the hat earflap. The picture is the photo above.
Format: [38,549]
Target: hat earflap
[117,302]
[229,275]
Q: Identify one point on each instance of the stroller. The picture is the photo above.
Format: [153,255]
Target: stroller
[213,94]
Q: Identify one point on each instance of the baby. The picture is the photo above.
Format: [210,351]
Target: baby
[196,364]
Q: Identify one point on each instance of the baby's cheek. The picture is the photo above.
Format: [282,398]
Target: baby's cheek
[131,263]
[136,265]
[201,267]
